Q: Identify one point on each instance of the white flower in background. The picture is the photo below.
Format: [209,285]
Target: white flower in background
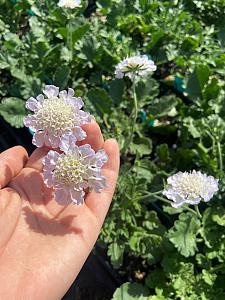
[135,65]
[69,3]
[57,119]
[190,188]
[74,171]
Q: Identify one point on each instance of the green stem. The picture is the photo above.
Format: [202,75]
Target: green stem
[147,195]
[220,156]
[135,112]
[197,211]
[168,201]
[155,195]
[70,36]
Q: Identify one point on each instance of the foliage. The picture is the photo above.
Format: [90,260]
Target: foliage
[170,253]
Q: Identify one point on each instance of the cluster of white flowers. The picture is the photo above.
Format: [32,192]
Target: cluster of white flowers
[69,3]
[190,188]
[135,65]
[56,123]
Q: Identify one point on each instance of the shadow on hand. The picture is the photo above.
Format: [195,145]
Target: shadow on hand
[40,223]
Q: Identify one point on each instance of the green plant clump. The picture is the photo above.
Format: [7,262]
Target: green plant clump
[161,252]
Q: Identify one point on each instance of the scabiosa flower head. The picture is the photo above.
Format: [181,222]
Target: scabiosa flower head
[190,188]
[57,118]
[74,171]
[69,3]
[135,65]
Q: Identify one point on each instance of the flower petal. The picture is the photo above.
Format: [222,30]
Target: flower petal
[62,196]
[86,151]
[67,140]
[51,91]
[77,197]
[39,139]
[30,121]
[54,140]
[32,104]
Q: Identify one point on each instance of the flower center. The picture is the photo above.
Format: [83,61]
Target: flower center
[133,66]
[70,170]
[55,116]
[190,186]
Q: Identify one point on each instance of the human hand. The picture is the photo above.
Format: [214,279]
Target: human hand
[43,245]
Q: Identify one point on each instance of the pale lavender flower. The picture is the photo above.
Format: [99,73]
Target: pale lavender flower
[57,118]
[190,188]
[69,3]
[135,65]
[74,171]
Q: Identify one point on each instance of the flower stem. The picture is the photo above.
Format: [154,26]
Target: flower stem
[70,36]
[168,201]
[155,195]
[220,156]
[147,195]
[135,112]
[197,211]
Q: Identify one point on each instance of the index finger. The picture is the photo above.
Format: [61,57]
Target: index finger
[11,163]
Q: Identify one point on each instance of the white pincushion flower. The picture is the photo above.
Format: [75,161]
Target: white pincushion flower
[190,188]
[74,171]
[57,118]
[69,3]
[135,65]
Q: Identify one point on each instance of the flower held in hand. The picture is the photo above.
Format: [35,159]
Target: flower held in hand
[57,118]
[74,171]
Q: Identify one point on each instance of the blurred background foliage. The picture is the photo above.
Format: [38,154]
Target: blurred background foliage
[161,252]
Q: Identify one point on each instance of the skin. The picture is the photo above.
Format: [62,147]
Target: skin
[44,245]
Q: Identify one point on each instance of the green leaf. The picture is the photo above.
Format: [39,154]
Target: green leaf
[156,39]
[183,234]
[62,76]
[211,232]
[80,32]
[37,29]
[101,100]
[218,215]
[19,73]
[131,291]
[155,278]
[212,90]
[3,61]
[221,34]
[158,296]
[144,169]
[192,128]
[208,277]
[160,107]
[116,90]
[115,252]
[163,153]
[13,111]
[146,89]
[141,146]
[197,81]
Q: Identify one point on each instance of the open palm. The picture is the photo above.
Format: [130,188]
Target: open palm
[43,245]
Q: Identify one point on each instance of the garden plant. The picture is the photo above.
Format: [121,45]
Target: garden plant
[152,75]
